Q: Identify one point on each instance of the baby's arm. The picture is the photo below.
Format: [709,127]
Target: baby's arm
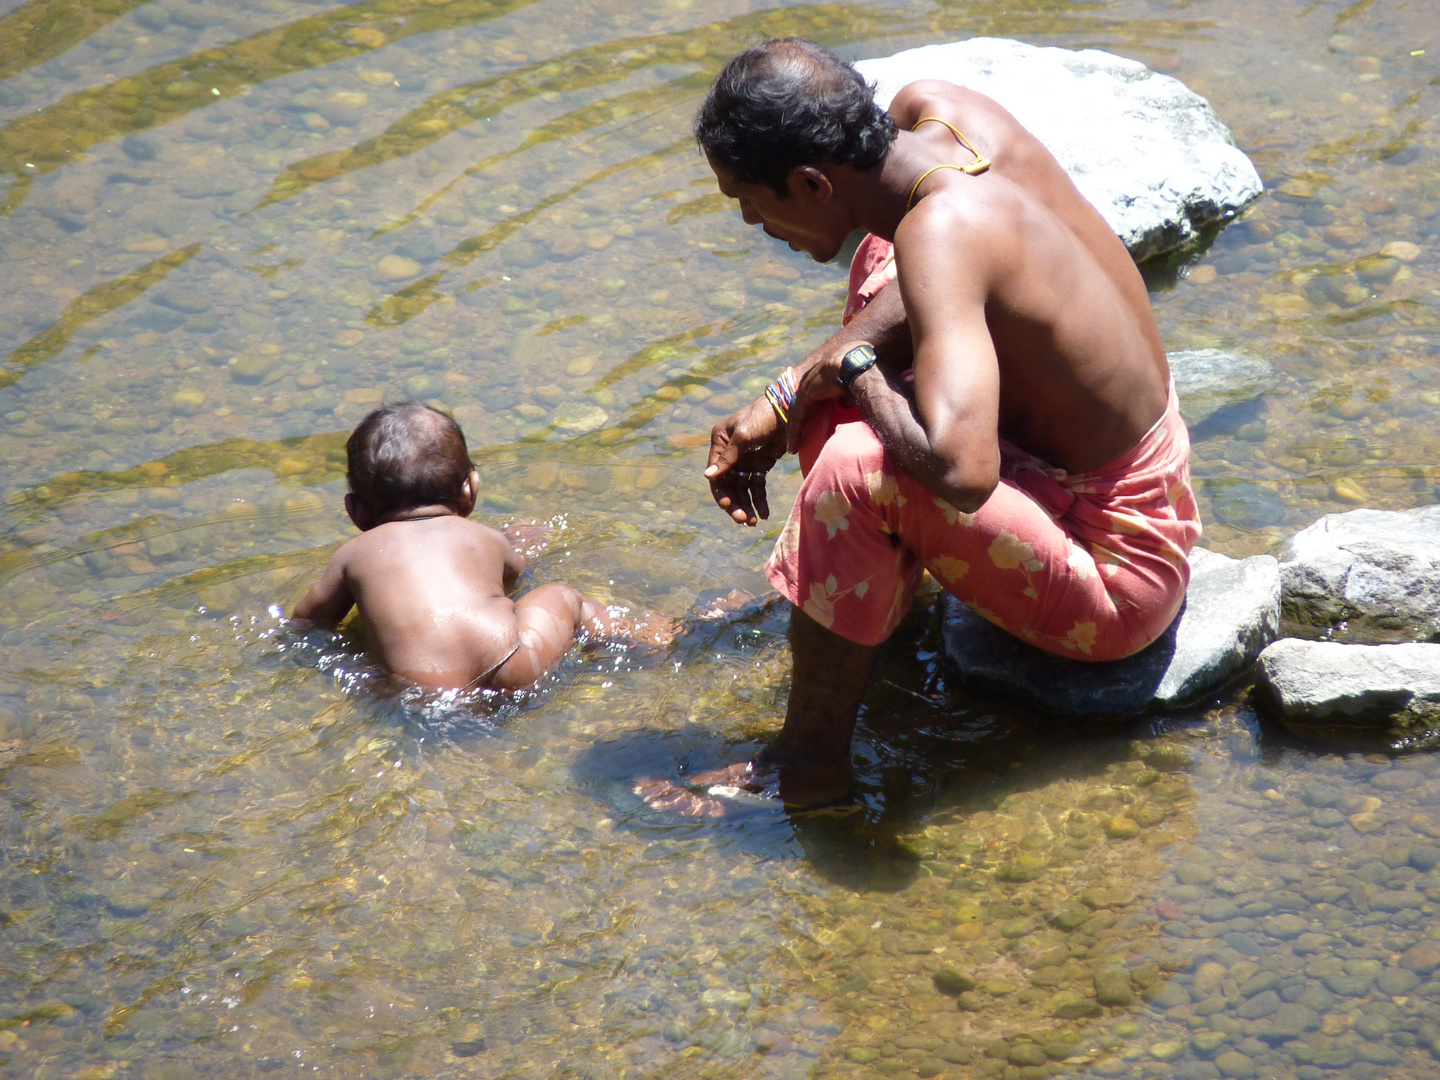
[515,563]
[329,600]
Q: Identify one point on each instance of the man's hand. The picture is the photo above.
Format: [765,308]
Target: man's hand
[816,381]
[743,448]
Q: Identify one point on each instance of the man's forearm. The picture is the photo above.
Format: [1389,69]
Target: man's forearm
[888,408]
[880,324]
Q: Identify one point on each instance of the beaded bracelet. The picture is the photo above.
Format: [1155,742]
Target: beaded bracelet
[781,394]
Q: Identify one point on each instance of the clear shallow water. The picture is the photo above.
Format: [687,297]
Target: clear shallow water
[229,232]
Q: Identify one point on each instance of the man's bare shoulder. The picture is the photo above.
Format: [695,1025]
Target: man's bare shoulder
[927,96]
[967,227]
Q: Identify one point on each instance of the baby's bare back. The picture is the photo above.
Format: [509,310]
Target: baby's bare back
[431,595]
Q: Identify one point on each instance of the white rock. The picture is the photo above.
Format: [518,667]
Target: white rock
[1375,571]
[1150,153]
[1232,611]
[1328,689]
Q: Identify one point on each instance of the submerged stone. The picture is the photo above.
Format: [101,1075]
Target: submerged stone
[1167,167]
[1232,611]
[1112,987]
[1208,380]
[951,980]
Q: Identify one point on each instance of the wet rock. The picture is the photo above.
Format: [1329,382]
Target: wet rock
[187,402]
[1121,827]
[951,980]
[1376,571]
[1325,689]
[1289,1020]
[1209,977]
[397,268]
[1259,1006]
[1112,987]
[1027,1053]
[1403,250]
[1286,927]
[581,419]
[1190,872]
[1232,611]
[1244,503]
[1321,796]
[1167,167]
[1420,959]
[1168,995]
[1208,380]
[1234,1064]
[252,368]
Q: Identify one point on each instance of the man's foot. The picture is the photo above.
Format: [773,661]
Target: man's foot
[721,607]
[530,538]
[715,793]
[657,631]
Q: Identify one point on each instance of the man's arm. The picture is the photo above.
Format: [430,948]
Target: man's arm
[329,600]
[882,325]
[949,438]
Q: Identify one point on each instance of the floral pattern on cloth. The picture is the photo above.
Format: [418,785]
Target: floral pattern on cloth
[1090,565]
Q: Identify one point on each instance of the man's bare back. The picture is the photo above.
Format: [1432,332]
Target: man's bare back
[1064,305]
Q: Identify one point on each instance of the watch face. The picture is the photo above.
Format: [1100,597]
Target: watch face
[855,363]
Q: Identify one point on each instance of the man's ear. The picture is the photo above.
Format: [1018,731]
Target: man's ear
[469,493]
[358,514]
[813,181]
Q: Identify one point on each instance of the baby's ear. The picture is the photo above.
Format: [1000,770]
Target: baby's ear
[358,514]
[469,493]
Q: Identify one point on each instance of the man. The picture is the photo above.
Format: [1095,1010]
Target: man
[1018,436]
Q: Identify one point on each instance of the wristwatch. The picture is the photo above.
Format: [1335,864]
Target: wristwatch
[854,364]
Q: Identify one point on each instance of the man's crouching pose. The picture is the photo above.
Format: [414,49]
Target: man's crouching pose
[1002,415]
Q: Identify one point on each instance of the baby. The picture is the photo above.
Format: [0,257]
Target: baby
[429,584]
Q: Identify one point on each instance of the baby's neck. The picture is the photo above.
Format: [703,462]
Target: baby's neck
[419,513]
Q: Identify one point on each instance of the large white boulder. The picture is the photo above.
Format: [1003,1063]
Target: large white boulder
[1148,152]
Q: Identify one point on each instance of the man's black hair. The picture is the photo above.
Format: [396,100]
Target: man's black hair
[786,104]
[406,455]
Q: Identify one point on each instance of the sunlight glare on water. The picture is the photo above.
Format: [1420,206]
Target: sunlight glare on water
[228,231]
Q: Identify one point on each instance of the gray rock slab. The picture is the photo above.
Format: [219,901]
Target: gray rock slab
[1208,380]
[1366,574]
[1328,689]
[1232,611]
[1148,152]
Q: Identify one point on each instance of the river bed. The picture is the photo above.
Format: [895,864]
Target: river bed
[228,231]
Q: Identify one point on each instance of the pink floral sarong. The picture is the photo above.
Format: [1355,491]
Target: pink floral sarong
[1089,565]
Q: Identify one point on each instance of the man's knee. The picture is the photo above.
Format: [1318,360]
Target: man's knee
[851,453]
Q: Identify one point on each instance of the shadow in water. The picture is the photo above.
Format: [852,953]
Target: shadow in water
[922,747]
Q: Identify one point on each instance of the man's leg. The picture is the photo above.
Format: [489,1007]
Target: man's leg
[828,677]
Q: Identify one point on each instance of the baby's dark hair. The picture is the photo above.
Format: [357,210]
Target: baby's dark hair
[406,455]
